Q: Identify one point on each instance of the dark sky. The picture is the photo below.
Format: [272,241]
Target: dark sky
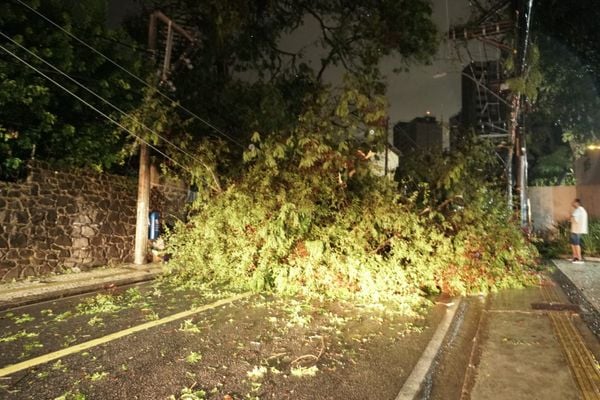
[434,88]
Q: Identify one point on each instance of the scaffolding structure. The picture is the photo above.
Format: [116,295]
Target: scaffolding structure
[502,25]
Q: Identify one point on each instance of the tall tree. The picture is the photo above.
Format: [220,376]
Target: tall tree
[566,115]
[37,118]
[258,60]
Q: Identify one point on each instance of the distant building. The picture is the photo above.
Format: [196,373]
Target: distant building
[483,100]
[421,133]
[388,160]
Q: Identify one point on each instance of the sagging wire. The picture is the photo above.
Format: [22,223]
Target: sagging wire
[116,108]
[117,123]
[131,74]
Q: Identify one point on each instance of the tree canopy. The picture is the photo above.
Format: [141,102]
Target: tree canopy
[566,115]
[37,118]
[258,60]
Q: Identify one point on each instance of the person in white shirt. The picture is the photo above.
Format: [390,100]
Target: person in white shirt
[579,226]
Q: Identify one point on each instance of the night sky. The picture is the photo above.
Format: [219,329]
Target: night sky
[434,88]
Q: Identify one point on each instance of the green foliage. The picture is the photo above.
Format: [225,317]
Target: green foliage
[39,119]
[568,38]
[311,217]
[552,169]
[529,83]
[259,60]
[558,244]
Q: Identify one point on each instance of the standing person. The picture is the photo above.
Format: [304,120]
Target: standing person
[579,226]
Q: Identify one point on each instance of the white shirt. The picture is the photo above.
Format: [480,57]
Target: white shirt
[579,221]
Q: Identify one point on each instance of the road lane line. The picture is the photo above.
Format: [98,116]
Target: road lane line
[11,369]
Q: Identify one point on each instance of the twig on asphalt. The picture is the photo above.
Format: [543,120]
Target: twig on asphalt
[312,355]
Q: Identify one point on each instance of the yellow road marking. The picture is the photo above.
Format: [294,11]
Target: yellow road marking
[11,369]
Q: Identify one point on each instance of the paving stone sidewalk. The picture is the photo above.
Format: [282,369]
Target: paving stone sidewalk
[585,277]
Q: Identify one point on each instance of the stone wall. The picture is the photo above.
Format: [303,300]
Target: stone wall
[57,221]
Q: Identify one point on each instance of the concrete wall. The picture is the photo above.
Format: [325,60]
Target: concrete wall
[552,204]
[55,221]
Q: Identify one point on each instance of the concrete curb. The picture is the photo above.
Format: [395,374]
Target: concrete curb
[54,287]
[413,384]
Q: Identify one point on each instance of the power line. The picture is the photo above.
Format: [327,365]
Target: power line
[131,74]
[101,98]
[92,107]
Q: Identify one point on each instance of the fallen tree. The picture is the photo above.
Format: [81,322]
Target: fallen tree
[310,216]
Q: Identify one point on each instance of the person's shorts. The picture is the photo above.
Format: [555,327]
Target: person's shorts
[575,239]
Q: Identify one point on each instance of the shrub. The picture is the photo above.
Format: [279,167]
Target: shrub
[558,244]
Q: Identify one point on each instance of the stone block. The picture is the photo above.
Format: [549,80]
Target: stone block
[7,264]
[113,252]
[106,229]
[56,231]
[20,217]
[84,219]
[41,243]
[15,205]
[26,271]
[3,243]
[96,241]
[51,216]
[37,217]
[71,209]
[64,201]
[9,274]
[34,190]
[80,243]
[76,231]
[63,240]
[87,232]
[46,269]
[18,241]
[25,253]
[47,201]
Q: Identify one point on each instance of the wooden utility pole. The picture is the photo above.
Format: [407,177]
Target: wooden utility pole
[143,200]
[143,207]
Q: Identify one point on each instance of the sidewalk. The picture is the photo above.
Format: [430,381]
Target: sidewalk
[52,287]
[582,283]
[537,345]
[526,344]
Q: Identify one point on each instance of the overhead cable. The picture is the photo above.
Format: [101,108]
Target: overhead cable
[131,74]
[116,108]
[93,108]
